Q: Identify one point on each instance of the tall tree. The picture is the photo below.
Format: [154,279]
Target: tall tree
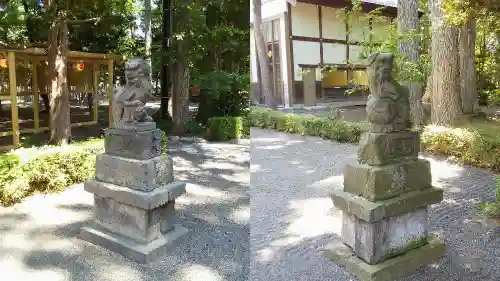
[147,32]
[467,49]
[60,127]
[266,88]
[407,21]
[165,70]
[446,104]
[180,69]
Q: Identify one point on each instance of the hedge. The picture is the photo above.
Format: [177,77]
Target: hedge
[336,129]
[227,128]
[47,169]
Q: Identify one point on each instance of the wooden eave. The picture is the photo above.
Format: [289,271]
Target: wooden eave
[366,7]
[41,53]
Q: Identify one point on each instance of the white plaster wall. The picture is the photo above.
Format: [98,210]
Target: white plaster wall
[334,53]
[381,28]
[305,20]
[354,52]
[270,8]
[253,58]
[305,53]
[333,23]
[360,26]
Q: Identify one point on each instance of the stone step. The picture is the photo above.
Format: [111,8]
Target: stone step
[144,175]
[384,182]
[391,269]
[371,212]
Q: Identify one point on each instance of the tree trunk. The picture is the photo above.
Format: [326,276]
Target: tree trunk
[446,104]
[60,129]
[408,21]
[260,45]
[467,39]
[147,34]
[166,69]
[180,92]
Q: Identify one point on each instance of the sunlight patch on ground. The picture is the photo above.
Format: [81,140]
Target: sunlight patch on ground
[255,140]
[222,166]
[330,183]
[198,272]
[119,272]
[196,192]
[270,147]
[313,218]
[254,168]
[241,215]
[16,270]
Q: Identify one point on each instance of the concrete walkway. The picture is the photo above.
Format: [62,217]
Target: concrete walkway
[292,217]
[38,237]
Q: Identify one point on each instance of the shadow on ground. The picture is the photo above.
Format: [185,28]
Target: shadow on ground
[38,237]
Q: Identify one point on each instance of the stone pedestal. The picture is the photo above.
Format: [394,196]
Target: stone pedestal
[384,202]
[134,195]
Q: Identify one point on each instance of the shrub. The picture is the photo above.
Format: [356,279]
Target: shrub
[492,209]
[463,145]
[222,94]
[226,128]
[47,169]
[324,127]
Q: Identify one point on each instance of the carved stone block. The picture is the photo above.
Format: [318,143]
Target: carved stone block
[145,175]
[384,182]
[382,149]
[139,224]
[133,144]
[385,239]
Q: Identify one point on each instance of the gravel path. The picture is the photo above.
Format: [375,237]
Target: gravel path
[38,237]
[292,217]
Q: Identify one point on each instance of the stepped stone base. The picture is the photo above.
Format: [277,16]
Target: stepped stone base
[138,252]
[387,238]
[390,269]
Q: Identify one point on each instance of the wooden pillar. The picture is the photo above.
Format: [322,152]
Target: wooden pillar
[309,81]
[36,93]
[95,85]
[110,91]
[11,62]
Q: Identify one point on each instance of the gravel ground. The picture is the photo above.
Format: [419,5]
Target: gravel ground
[292,217]
[38,237]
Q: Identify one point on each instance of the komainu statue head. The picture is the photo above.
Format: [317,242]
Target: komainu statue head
[388,105]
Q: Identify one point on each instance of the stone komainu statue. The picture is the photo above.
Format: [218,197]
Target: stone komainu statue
[388,106]
[129,102]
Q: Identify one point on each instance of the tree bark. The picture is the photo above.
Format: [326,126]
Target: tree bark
[260,45]
[408,21]
[467,39]
[446,104]
[60,129]
[148,35]
[180,92]
[166,69]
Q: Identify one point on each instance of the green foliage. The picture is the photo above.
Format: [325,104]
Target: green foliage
[464,145]
[222,94]
[324,127]
[48,169]
[492,209]
[227,128]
